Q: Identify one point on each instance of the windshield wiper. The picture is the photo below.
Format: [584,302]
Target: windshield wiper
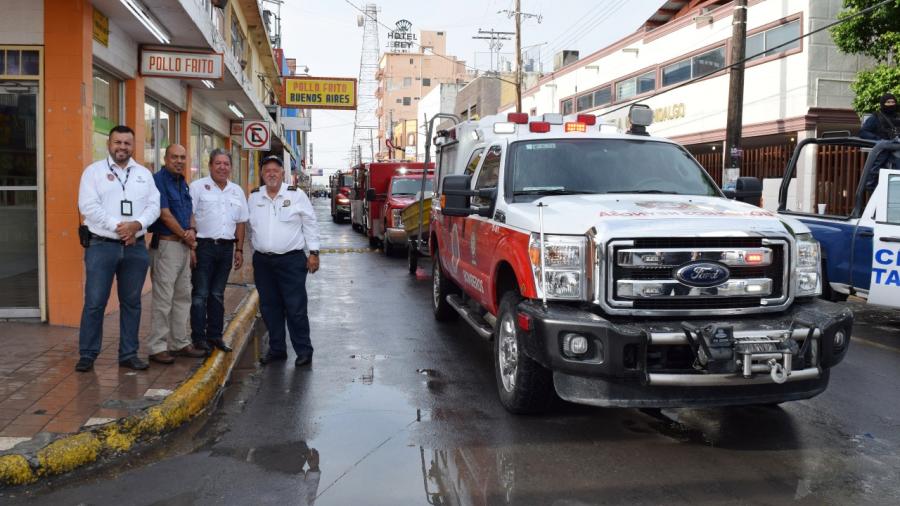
[644,191]
[553,191]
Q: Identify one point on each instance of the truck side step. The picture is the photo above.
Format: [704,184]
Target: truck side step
[474,320]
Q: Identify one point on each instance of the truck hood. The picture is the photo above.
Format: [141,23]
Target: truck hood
[625,216]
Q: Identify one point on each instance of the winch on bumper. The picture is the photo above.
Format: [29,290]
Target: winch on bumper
[756,359]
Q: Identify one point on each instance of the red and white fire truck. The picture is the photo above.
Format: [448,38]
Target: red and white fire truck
[370,190]
[340,185]
[404,188]
[608,268]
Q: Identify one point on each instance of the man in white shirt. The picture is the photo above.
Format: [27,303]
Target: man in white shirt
[119,200]
[282,225]
[220,211]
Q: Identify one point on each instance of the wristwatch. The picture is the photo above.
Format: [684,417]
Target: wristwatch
[314,252]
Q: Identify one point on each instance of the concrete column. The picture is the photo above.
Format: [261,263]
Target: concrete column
[67,149]
[134,114]
[184,127]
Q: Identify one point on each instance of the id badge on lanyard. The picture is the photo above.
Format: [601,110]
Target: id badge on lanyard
[125,207]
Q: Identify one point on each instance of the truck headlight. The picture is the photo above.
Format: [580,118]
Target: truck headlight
[564,261]
[809,266]
[396,218]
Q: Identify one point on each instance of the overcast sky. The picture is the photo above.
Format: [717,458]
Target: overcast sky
[324,36]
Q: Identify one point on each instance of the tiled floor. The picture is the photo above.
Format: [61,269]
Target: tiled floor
[41,392]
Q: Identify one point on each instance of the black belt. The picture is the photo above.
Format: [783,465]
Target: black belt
[216,241]
[274,255]
[95,237]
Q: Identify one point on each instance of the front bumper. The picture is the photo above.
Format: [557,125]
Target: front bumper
[650,363]
[342,210]
[395,235]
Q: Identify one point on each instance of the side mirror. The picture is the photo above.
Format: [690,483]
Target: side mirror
[456,195]
[746,189]
[370,194]
[490,194]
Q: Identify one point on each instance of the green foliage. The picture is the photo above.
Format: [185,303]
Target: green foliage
[876,34]
[871,84]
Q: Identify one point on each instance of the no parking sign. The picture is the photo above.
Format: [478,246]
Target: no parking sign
[257,135]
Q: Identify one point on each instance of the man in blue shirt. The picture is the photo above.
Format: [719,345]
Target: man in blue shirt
[174,237]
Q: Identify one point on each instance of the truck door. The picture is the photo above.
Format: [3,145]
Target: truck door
[477,249]
[885,282]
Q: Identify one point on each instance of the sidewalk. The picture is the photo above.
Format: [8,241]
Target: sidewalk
[43,398]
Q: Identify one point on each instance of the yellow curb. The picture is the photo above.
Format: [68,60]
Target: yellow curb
[186,402]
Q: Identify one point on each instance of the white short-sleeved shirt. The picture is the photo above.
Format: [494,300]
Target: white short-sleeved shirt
[286,223]
[104,185]
[217,211]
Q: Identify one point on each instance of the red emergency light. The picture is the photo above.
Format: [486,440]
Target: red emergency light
[753,258]
[539,127]
[587,119]
[519,118]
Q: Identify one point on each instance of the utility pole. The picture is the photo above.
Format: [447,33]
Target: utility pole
[496,41]
[518,14]
[733,155]
[518,56]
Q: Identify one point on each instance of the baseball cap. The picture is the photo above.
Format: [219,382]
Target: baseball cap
[271,158]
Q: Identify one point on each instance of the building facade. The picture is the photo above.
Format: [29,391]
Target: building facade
[403,79]
[72,70]
[791,91]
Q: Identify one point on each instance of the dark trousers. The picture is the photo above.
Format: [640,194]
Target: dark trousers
[102,261]
[281,283]
[208,291]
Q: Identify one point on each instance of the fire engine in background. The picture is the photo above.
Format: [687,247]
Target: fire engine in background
[369,194]
[609,269]
[404,189]
[860,230]
[340,185]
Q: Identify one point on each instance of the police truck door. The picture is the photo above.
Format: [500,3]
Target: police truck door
[885,286]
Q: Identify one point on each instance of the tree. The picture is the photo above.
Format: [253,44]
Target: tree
[876,35]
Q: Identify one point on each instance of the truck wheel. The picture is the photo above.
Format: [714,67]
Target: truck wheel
[374,242]
[827,292]
[412,257]
[442,286]
[335,218]
[524,385]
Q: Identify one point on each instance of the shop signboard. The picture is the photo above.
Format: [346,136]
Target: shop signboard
[296,123]
[181,64]
[101,28]
[319,93]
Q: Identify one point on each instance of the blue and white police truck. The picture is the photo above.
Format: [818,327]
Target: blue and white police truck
[855,185]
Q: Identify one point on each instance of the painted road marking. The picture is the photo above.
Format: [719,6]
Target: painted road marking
[876,345]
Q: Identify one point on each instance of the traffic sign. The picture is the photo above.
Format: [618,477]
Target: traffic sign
[257,135]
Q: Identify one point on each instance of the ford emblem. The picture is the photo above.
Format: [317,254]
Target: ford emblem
[702,274]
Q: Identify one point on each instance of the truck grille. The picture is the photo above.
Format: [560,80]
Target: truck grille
[643,274]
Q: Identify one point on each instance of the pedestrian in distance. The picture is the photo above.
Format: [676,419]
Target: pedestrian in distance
[883,124]
[220,212]
[283,229]
[173,239]
[119,200]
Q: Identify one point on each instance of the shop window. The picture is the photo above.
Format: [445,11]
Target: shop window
[636,85]
[105,110]
[202,143]
[584,102]
[159,132]
[694,67]
[15,62]
[770,40]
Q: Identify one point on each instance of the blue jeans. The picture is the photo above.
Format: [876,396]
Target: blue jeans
[102,261]
[208,293]
[281,283]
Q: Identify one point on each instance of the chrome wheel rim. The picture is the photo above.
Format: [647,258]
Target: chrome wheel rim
[507,353]
[436,283]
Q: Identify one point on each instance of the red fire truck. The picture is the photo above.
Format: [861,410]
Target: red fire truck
[340,184]
[370,190]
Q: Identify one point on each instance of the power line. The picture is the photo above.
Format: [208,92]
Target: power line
[588,27]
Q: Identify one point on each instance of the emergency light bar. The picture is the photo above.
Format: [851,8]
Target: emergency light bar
[575,127]
[552,118]
[587,119]
[519,118]
[539,127]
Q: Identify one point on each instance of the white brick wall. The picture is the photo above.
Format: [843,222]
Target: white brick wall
[22,22]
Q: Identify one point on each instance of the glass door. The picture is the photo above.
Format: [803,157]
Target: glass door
[19,271]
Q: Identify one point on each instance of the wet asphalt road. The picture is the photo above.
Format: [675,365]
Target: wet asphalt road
[399,410]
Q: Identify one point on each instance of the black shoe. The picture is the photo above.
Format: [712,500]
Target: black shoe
[218,343]
[270,357]
[84,364]
[134,363]
[302,360]
[201,345]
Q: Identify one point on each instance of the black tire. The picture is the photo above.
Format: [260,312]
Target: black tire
[374,242]
[523,385]
[335,218]
[441,287]
[387,247]
[412,257]
[827,292]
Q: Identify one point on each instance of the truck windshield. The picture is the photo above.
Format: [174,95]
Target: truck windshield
[409,186]
[578,166]
[346,181]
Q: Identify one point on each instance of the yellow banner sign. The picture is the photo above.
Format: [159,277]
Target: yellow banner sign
[319,93]
[101,28]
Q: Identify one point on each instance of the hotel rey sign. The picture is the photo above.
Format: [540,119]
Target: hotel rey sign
[401,39]
[181,64]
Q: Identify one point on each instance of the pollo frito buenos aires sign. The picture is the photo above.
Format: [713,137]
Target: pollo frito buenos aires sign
[319,93]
